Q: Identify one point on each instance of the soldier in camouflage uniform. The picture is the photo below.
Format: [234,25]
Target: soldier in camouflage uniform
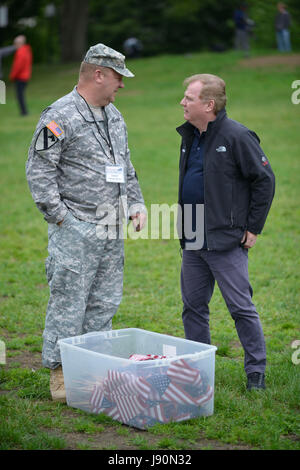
[81,178]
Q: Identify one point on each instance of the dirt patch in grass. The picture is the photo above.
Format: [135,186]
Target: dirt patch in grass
[26,359]
[110,439]
[291,60]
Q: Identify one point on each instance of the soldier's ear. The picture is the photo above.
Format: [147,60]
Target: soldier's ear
[99,75]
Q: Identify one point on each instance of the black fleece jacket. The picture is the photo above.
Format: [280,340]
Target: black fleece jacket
[239,183]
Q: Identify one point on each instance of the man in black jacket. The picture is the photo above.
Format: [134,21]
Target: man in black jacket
[226,187]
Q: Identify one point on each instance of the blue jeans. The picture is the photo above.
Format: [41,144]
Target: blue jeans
[283,40]
[200,270]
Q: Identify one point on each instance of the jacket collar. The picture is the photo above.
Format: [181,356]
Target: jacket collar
[187,129]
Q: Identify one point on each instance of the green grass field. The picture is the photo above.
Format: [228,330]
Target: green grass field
[259,97]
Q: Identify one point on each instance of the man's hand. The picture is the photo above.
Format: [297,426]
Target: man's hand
[138,221]
[248,240]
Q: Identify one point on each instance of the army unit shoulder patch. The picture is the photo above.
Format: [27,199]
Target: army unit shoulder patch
[45,140]
[48,136]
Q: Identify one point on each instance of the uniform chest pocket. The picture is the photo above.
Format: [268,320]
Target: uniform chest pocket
[84,146]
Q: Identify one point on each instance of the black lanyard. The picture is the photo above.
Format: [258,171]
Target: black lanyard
[104,137]
[107,140]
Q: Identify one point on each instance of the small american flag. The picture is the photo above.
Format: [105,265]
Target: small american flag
[157,412]
[97,397]
[159,384]
[129,406]
[181,372]
[55,129]
[172,393]
[126,391]
[206,397]
[113,412]
[146,357]
[124,384]
[177,394]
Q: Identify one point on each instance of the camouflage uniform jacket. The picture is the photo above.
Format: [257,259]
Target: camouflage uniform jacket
[67,161]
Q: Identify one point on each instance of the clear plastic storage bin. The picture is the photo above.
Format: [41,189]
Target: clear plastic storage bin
[104,373]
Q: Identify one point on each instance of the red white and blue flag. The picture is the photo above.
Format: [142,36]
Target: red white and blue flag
[172,393]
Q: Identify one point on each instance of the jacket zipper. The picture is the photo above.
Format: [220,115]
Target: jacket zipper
[205,224]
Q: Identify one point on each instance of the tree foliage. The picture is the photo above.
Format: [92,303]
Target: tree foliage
[62,36]
[163,26]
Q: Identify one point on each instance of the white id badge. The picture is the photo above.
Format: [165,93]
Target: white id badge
[114,174]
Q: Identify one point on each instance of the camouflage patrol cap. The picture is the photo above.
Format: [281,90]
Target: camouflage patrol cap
[107,57]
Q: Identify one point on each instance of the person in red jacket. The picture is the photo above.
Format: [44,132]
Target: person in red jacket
[21,70]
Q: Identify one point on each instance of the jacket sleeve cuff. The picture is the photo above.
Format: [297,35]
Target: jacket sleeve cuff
[135,208]
[58,216]
[253,230]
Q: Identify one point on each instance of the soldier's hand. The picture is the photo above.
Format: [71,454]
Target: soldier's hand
[138,221]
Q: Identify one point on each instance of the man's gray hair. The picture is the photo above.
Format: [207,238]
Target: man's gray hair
[213,89]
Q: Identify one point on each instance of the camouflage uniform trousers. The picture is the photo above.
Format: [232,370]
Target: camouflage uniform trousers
[85,276]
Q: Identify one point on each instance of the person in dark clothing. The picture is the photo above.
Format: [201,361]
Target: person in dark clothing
[282,28]
[243,28]
[4,52]
[226,187]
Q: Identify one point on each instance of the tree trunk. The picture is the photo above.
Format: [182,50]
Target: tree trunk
[74,21]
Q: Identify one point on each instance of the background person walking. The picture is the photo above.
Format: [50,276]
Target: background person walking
[21,70]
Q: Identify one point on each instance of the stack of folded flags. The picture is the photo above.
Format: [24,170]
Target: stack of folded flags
[167,393]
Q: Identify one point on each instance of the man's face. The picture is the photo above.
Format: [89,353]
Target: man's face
[194,108]
[112,81]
